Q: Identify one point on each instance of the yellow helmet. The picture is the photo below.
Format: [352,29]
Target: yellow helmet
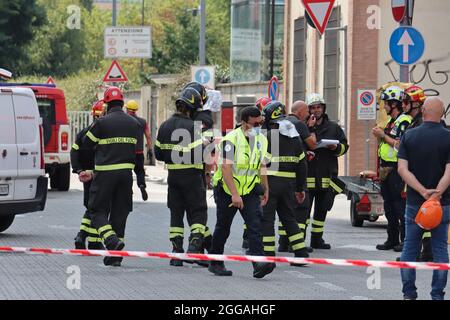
[132,105]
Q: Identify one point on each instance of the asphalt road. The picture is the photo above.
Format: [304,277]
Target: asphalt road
[52,277]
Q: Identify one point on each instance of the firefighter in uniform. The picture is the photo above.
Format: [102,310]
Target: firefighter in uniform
[286,173]
[132,107]
[239,184]
[111,197]
[322,181]
[83,163]
[413,100]
[392,185]
[179,144]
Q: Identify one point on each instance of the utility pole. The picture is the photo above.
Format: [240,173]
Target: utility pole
[142,24]
[202,43]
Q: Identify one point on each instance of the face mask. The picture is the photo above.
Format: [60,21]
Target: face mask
[254,132]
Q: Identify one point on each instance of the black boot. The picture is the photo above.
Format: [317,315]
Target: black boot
[195,243]
[80,241]
[302,253]
[399,247]
[427,251]
[218,268]
[144,193]
[386,246]
[177,244]
[319,243]
[114,245]
[283,244]
[261,269]
[207,242]
[96,246]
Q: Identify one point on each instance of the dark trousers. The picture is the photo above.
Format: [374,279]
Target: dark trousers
[281,200]
[323,202]
[252,215]
[394,207]
[302,216]
[187,194]
[139,170]
[110,202]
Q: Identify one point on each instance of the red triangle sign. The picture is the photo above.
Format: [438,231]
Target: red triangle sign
[320,12]
[115,73]
[50,81]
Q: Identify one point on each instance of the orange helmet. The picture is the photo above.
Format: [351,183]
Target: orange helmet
[414,94]
[113,94]
[262,103]
[429,215]
[97,108]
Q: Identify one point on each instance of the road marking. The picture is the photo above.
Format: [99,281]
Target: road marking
[330,286]
[359,247]
[300,275]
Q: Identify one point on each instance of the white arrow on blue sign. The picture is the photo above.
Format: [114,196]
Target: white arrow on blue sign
[204,75]
[407,45]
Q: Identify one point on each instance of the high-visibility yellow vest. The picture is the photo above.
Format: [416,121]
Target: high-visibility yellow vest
[386,152]
[247,161]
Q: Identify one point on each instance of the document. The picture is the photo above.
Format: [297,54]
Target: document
[325,143]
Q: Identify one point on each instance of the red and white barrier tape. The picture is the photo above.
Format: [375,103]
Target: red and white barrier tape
[212,257]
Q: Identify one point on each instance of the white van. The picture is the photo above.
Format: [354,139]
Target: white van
[23,184]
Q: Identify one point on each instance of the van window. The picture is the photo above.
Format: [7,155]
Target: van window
[7,123]
[48,115]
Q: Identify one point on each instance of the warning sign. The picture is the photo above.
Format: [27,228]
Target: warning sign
[367,105]
[50,81]
[115,73]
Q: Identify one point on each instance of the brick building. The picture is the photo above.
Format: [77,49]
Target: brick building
[317,64]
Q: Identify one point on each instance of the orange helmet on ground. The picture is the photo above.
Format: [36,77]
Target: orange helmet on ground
[98,108]
[113,94]
[429,215]
[262,103]
[415,94]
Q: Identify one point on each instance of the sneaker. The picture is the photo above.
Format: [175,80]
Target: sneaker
[398,248]
[80,242]
[261,269]
[219,270]
[113,261]
[385,246]
[144,193]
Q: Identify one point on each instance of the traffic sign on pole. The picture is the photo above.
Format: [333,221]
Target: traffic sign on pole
[319,11]
[367,105]
[115,73]
[274,89]
[399,9]
[407,45]
[50,81]
[205,75]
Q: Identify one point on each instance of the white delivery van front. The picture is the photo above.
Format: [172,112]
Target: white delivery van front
[23,185]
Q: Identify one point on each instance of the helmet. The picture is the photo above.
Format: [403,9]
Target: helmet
[414,94]
[98,108]
[132,105]
[113,94]
[429,215]
[200,88]
[274,110]
[262,103]
[191,98]
[315,98]
[392,93]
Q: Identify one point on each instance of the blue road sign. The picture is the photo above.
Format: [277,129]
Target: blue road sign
[274,89]
[203,76]
[407,45]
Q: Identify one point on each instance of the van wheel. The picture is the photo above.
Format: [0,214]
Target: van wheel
[6,222]
[355,219]
[64,177]
[54,181]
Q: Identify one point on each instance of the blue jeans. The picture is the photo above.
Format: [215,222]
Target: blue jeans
[413,241]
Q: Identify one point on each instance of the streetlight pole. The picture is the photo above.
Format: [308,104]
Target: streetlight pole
[202,43]
[114,13]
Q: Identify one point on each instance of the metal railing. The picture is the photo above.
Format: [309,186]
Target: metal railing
[78,120]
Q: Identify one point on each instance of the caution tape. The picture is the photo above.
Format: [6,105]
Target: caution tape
[213,257]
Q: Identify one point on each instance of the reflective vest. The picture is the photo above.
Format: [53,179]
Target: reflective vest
[247,161]
[387,152]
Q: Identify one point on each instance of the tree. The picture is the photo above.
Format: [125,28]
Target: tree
[18,18]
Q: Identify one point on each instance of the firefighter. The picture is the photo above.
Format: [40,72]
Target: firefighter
[179,144]
[323,170]
[299,115]
[132,107]
[286,173]
[111,196]
[240,184]
[392,185]
[83,163]
[413,100]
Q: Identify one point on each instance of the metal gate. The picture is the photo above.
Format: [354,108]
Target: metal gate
[78,120]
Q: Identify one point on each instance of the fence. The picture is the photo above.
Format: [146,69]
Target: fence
[78,120]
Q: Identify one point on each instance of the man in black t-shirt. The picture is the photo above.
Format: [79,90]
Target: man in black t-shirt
[424,164]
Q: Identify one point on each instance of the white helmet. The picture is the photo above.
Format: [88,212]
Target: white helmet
[315,98]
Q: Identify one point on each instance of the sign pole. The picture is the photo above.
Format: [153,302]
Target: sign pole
[406,22]
[202,43]
[367,146]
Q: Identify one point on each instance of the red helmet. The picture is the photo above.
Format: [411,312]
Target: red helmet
[113,94]
[415,94]
[97,108]
[262,103]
